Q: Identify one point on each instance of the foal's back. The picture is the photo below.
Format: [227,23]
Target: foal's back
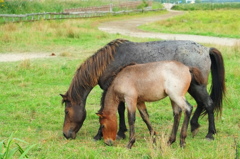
[152,81]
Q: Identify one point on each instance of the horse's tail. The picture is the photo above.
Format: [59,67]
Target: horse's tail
[197,76]
[218,79]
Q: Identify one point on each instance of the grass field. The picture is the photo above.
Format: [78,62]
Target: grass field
[218,23]
[31,106]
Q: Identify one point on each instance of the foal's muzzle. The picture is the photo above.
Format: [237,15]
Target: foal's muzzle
[108,142]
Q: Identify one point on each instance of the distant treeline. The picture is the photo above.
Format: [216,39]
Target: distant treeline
[207,6]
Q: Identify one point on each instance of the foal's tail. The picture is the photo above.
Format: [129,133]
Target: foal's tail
[218,79]
[197,76]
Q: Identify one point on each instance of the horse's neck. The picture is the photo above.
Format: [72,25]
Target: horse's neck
[80,94]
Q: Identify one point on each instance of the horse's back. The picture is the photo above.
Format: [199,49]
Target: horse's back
[187,52]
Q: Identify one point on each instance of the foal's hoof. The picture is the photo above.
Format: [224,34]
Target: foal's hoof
[182,144]
[194,132]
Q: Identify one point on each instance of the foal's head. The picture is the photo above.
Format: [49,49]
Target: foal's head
[74,117]
[109,127]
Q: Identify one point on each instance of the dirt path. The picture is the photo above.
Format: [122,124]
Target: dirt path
[129,27]
[22,56]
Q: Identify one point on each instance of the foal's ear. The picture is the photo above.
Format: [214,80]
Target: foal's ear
[100,115]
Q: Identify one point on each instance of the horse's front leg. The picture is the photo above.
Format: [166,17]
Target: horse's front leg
[99,134]
[177,116]
[183,134]
[122,123]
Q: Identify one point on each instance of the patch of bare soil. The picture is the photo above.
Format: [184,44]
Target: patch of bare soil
[22,56]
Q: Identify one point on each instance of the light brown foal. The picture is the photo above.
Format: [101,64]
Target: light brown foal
[140,83]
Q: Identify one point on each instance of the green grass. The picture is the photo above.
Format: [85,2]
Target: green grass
[31,105]
[218,23]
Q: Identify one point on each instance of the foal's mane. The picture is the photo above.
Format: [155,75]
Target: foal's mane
[87,75]
[110,82]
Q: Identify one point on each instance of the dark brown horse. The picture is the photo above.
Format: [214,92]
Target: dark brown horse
[98,69]
[149,82]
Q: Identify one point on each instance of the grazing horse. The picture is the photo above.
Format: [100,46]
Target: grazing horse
[149,82]
[98,69]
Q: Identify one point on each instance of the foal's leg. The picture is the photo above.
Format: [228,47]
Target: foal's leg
[183,134]
[131,106]
[177,116]
[144,114]
[200,94]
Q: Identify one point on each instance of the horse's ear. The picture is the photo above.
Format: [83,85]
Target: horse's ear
[63,96]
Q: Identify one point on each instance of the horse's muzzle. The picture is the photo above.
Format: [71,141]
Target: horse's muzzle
[69,135]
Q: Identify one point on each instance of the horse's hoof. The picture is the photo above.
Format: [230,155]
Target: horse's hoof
[97,137]
[121,136]
[194,132]
[209,137]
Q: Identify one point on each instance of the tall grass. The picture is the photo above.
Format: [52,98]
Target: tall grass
[8,151]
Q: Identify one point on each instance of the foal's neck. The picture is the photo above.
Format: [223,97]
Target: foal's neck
[111,102]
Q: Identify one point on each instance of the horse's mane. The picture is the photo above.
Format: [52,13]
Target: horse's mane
[109,84]
[88,73]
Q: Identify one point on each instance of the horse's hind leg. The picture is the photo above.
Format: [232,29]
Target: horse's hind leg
[177,116]
[144,114]
[200,94]
[183,134]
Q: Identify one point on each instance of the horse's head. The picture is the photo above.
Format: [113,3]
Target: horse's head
[109,127]
[75,115]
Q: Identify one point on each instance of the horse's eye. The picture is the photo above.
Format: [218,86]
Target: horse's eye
[102,126]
